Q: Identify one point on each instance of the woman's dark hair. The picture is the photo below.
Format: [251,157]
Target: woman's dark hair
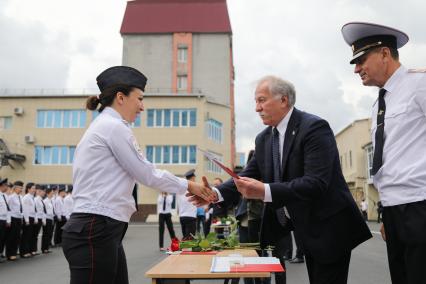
[28,186]
[106,98]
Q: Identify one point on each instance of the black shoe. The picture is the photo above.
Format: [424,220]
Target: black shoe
[286,257]
[297,260]
[2,259]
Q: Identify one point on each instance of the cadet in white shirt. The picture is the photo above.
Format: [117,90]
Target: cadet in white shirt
[60,215]
[28,210]
[48,220]
[38,199]
[399,139]
[107,164]
[68,203]
[14,235]
[187,211]
[164,210]
[5,217]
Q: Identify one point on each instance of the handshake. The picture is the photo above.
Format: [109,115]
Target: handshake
[201,194]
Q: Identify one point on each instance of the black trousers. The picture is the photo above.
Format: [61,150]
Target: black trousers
[34,238]
[207,225]
[57,239]
[92,245]
[3,235]
[27,235]
[46,239]
[188,226]
[165,218]
[328,273]
[14,237]
[405,228]
[201,221]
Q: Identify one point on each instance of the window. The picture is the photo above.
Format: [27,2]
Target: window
[172,118]
[61,118]
[172,154]
[5,122]
[182,83]
[182,54]
[54,155]
[214,130]
[213,167]
[350,159]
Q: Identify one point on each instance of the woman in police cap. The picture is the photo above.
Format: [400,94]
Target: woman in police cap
[107,163]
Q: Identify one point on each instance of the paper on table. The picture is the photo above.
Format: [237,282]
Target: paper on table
[245,264]
[212,158]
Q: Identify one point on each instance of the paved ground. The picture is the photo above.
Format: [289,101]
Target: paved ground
[368,263]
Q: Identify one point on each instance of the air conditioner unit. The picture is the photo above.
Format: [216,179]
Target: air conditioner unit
[18,110]
[29,139]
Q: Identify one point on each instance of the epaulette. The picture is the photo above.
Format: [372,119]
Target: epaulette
[417,70]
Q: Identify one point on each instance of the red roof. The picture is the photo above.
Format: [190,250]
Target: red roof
[170,16]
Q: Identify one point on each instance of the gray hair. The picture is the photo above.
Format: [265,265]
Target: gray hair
[279,87]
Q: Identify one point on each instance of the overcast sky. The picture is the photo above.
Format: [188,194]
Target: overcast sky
[65,44]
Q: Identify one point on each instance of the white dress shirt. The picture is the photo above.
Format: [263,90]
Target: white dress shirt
[28,208]
[48,203]
[59,207]
[15,202]
[185,208]
[4,212]
[282,128]
[169,201]
[39,207]
[68,206]
[107,164]
[402,177]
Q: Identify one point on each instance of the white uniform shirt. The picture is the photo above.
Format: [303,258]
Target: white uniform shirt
[4,212]
[48,203]
[68,206]
[107,164]
[364,206]
[169,201]
[59,207]
[39,207]
[185,208]
[15,205]
[28,207]
[402,177]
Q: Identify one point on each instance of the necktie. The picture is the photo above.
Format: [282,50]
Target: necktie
[44,207]
[35,205]
[7,205]
[379,136]
[276,155]
[276,158]
[164,203]
[20,203]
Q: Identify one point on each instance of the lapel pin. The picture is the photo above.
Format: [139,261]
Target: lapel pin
[293,133]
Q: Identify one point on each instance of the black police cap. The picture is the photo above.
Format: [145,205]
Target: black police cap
[189,174]
[121,75]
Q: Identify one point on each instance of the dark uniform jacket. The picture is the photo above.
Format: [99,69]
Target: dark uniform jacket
[322,210]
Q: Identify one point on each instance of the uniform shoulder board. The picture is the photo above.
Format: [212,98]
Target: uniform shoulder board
[417,70]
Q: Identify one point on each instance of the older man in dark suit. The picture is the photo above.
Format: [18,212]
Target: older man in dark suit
[296,172]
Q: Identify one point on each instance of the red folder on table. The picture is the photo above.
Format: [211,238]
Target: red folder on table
[257,268]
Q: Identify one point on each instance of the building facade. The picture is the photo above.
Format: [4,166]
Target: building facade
[184,47]
[356,156]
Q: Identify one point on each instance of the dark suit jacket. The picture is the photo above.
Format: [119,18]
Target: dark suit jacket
[322,210]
